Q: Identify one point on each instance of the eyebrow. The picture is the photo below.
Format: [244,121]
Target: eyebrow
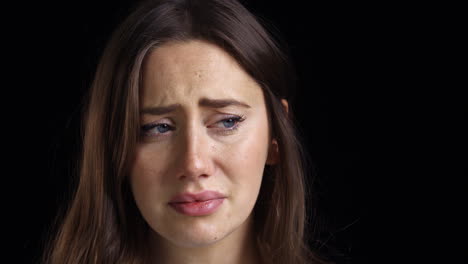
[205,102]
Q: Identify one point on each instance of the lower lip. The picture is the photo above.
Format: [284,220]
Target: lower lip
[198,208]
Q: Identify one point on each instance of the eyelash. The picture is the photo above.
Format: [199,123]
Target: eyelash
[226,131]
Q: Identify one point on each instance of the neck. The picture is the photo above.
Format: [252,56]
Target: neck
[238,247]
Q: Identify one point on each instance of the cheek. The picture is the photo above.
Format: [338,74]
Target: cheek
[244,163]
[145,176]
[144,168]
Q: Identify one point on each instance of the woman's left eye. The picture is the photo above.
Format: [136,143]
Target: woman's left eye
[230,123]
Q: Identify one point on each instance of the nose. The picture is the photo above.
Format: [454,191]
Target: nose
[194,160]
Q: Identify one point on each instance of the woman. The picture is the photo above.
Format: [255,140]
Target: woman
[189,155]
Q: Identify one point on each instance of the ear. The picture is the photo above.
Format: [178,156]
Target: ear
[273,153]
[285,104]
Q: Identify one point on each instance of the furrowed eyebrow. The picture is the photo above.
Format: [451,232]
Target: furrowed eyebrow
[220,103]
[205,102]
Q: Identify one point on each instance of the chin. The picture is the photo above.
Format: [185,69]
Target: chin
[196,238]
[198,242]
[195,234]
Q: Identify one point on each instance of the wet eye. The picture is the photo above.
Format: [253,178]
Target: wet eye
[229,123]
[162,128]
[158,128]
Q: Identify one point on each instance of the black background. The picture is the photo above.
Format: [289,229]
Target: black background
[369,108]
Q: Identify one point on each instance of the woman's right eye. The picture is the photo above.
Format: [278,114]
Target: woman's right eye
[161,128]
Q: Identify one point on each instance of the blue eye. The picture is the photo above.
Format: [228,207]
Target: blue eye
[229,123]
[160,128]
[225,126]
[163,128]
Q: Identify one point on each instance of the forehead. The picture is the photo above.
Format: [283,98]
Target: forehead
[185,71]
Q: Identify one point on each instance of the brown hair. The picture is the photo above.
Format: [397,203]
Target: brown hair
[102,223]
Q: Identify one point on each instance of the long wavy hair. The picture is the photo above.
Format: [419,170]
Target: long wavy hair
[102,223]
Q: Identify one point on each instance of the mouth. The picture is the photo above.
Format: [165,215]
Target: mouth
[204,203]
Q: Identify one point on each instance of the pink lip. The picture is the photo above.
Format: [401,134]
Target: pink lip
[203,203]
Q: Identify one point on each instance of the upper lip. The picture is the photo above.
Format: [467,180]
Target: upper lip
[198,197]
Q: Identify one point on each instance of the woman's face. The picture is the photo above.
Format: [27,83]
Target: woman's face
[204,128]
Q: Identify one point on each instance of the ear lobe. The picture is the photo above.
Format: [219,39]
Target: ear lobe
[273,153]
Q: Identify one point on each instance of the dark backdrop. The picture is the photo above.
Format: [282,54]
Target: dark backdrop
[361,106]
